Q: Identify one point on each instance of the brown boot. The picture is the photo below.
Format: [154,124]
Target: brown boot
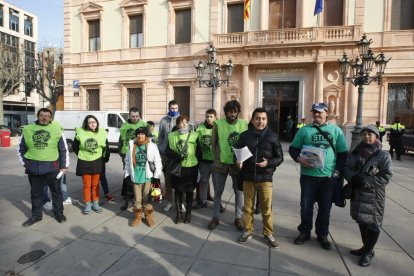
[137,217]
[149,216]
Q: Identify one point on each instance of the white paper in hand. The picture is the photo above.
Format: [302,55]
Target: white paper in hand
[242,154]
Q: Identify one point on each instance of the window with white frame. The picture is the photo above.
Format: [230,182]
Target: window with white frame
[94,35]
[1,15]
[182,26]
[136,37]
[13,20]
[235,19]
[28,25]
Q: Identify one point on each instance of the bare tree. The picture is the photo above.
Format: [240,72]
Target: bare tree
[11,73]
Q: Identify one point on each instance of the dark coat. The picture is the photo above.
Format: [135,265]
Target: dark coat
[262,145]
[368,200]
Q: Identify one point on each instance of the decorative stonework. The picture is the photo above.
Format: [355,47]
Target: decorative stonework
[91,11]
[231,93]
[133,6]
[332,76]
[332,96]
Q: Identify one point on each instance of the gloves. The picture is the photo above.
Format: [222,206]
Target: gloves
[357,180]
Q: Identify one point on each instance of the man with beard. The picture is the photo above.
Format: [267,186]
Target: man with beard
[44,154]
[226,133]
[318,182]
[127,133]
[204,131]
[166,125]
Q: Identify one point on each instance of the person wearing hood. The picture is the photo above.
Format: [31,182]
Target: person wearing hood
[127,133]
[166,125]
[142,163]
[257,173]
[368,170]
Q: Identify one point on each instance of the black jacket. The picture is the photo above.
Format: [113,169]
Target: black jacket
[262,145]
[91,167]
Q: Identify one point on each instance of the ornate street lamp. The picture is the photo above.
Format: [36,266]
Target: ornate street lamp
[214,70]
[360,76]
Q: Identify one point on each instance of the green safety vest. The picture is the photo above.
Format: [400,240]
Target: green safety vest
[91,144]
[397,126]
[128,133]
[205,138]
[42,141]
[228,137]
[300,125]
[176,143]
[381,129]
[155,137]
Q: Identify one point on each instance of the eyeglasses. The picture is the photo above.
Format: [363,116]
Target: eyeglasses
[92,122]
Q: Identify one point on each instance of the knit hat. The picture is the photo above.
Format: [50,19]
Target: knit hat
[143,130]
[372,129]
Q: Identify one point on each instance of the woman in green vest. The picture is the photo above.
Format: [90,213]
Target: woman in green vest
[184,148]
[91,146]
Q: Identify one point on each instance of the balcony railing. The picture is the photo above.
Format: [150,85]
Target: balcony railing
[288,36]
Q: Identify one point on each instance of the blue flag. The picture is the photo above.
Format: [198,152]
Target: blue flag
[318,7]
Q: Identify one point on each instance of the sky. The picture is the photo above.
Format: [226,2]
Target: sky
[50,19]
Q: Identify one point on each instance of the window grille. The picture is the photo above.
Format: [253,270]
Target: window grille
[182,96]
[92,99]
[400,96]
[135,98]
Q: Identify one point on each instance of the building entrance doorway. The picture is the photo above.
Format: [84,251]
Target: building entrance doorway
[280,99]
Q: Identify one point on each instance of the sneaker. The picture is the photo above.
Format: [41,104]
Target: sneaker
[68,201]
[167,207]
[238,223]
[301,239]
[271,241]
[244,237]
[88,208]
[48,206]
[109,197]
[213,224]
[222,208]
[96,207]
[323,241]
[61,218]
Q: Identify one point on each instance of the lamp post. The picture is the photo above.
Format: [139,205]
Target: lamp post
[214,70]
[360,76]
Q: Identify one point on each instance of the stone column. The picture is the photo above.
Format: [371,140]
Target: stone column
[319,82]
[264,15]
[244,95]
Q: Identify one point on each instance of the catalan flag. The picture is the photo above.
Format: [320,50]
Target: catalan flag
[246,10]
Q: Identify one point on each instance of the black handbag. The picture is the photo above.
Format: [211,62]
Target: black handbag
[173,167]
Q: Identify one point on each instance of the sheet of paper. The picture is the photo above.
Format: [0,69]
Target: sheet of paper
[315,156]
[242,154]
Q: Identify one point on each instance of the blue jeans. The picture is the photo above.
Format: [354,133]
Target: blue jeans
[63,187]
[320,190]
[219,181]
[104,184]
[205,170]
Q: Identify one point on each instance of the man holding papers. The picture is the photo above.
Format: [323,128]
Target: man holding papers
[321,150]
[259,155]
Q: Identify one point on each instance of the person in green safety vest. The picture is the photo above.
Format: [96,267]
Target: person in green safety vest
[44,154]
[91,147]
[127,133]
[381,130]
[153,134]
[226,133]
[396,133]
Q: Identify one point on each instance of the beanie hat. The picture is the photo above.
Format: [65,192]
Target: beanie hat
[372,129]
[143,130]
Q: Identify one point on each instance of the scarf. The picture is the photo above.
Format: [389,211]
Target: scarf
[364,151]
[134,150]
[207,125]
[184,130]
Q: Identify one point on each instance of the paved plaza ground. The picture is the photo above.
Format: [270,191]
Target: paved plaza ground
[104,244]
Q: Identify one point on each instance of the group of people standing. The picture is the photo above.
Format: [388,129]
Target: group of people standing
[209,151]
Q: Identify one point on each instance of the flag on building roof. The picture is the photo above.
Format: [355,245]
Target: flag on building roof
[246,10]
[318,7]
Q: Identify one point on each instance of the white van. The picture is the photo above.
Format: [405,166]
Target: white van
[109,120]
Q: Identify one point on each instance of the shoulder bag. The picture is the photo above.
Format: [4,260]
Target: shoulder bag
[173,167]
